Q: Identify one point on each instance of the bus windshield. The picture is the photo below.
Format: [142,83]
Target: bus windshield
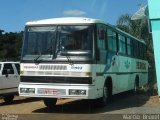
[75,38]
[39,41]
[48,42]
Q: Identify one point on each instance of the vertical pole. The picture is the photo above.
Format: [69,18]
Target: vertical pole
[154,16]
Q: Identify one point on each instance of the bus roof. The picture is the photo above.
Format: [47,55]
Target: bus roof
[75,20]
[129,35]
[65,20]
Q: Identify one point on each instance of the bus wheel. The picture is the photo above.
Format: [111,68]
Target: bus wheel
[8,98]
[136,86]
[104,99]
[50,102]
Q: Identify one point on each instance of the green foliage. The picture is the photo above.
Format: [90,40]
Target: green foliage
[10,45]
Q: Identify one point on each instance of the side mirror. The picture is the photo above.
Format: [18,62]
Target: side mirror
[101,34]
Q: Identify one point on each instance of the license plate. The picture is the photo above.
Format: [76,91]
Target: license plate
[48,91]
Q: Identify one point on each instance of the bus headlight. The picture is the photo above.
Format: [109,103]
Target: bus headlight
[27,90]
[77,92]
[89,74]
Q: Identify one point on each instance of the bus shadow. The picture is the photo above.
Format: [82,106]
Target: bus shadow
[124,101]
[77,107]
[118,102]
[19,101]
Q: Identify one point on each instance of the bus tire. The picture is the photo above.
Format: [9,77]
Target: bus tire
[8,98]
[136,85]
[104,99]
[50,103]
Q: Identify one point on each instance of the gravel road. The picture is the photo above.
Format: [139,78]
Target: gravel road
[126,103]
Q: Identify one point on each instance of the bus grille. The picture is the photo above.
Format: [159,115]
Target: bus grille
[55,73]
[52,67]
[54,79]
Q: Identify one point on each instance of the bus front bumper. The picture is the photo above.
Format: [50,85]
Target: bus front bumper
[58,91]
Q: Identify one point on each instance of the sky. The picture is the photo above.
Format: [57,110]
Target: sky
[15,13]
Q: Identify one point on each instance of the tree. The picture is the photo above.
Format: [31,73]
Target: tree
[1,32]
[10,45]
[137,28]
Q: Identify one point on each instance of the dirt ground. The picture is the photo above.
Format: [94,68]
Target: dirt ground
[125,103]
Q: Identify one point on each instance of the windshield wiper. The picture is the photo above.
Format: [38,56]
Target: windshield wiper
[50,49]
[69,60]
[50,52]
[36,59]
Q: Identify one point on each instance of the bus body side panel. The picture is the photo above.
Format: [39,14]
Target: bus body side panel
[124,71]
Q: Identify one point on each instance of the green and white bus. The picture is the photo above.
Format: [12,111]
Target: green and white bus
[80,58]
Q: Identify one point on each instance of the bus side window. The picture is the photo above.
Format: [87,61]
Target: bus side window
[128,46]
[140,51]
[134,48]
[106,39]
[122,44]
[101,38]
[137,49]
[101,44]
[145,53]
[101,33]
[112,40]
